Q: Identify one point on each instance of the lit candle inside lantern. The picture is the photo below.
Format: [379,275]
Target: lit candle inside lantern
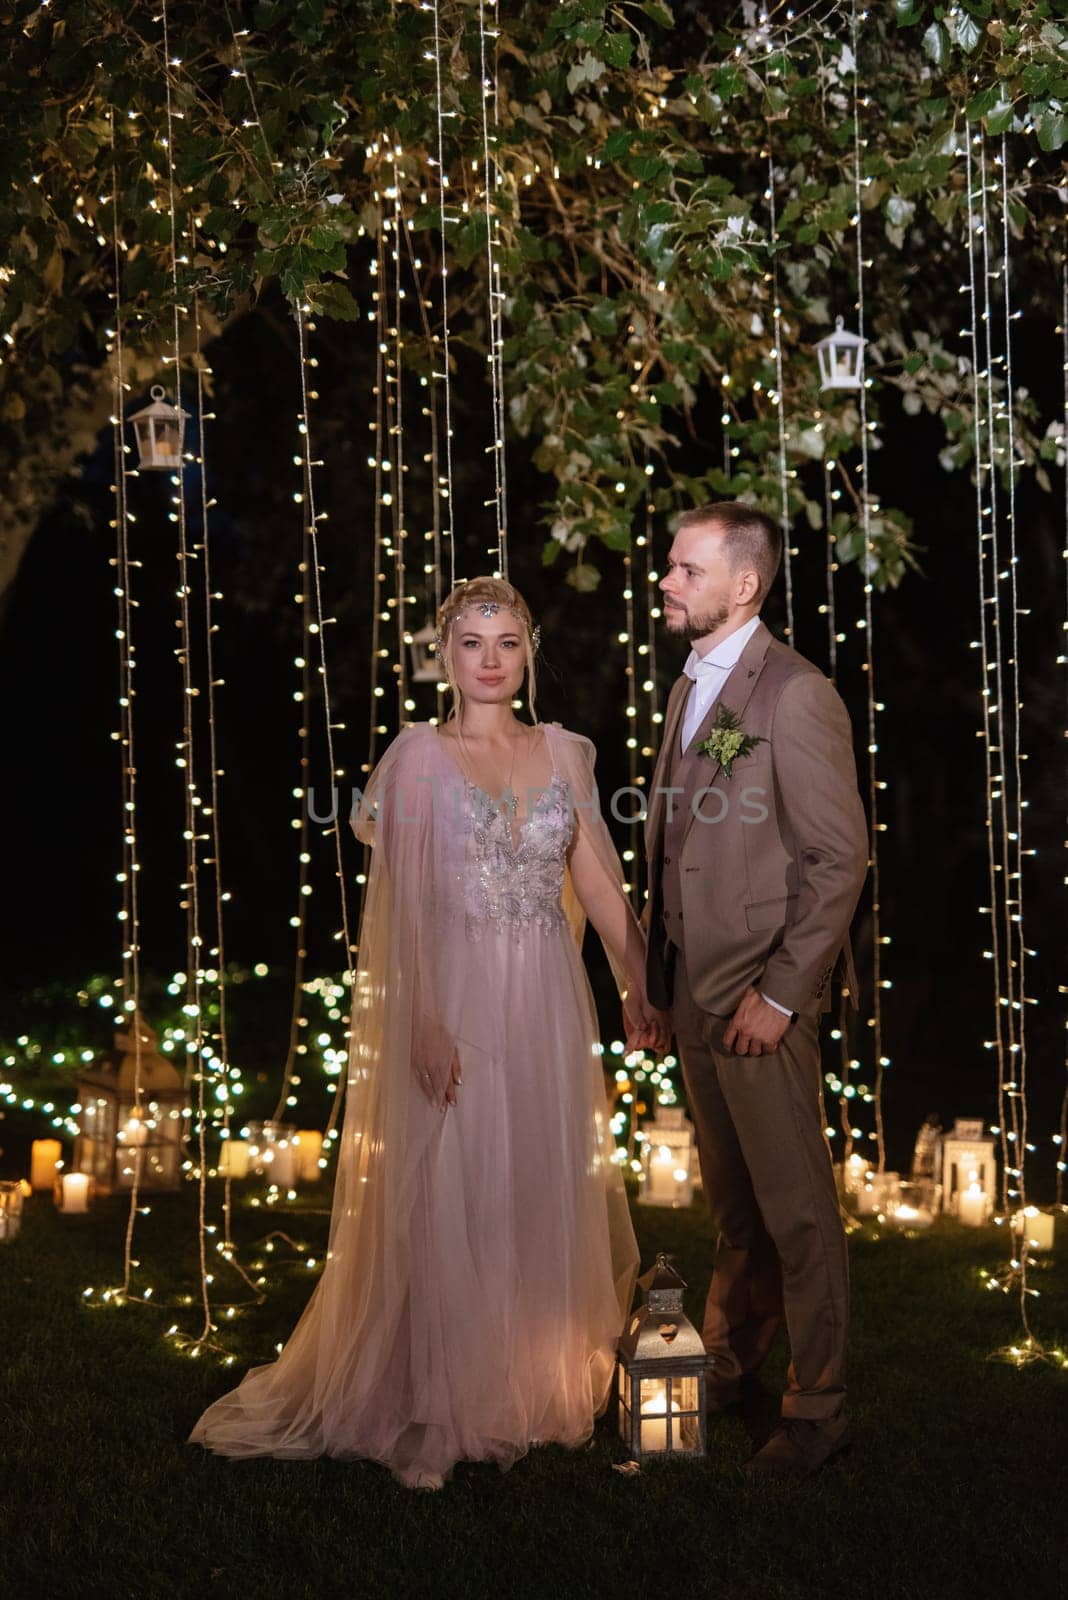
[75,1192]
[654,1428]
[309,1148]
[971,1205]
[44,1157]
[911,1217]
[233,1158]
[856,1170]
[134,1131]
[282,1166]
[661,1174]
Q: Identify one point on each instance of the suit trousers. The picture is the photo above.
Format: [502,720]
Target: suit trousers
[769,1183]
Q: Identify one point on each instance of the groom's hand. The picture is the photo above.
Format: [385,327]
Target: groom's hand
[756,1029]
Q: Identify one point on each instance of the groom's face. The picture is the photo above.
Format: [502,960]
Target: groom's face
[699,587]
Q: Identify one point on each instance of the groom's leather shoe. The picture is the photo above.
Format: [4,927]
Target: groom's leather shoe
[800,1447]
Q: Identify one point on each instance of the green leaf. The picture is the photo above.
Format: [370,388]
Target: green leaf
[659,13]
[617,49]
[584,578]
[999,120]
[969,32]
[1052,127]
[332,299]
[907,12]
[936,44]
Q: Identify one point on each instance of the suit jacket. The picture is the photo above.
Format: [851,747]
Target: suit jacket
[770,861]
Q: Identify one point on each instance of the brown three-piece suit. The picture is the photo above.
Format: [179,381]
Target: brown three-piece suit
[753,881]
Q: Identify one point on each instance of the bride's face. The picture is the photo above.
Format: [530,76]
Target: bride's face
[488,658]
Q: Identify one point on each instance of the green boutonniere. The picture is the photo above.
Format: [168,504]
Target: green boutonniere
[728,740]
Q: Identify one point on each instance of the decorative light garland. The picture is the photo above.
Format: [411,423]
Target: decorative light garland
[494,302]
[772,277]
[879,983]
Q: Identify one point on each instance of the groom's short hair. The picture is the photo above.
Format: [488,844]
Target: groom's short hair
[750,537]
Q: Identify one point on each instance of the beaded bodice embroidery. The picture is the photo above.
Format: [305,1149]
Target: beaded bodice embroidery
[510,885]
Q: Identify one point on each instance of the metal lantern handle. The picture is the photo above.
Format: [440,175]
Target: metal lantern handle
[158,392]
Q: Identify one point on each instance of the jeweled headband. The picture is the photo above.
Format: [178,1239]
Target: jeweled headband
[488,608]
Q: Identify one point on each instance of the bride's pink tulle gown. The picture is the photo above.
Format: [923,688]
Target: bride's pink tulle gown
[481,1258]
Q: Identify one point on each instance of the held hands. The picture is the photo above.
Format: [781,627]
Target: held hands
[756,1029]
[644,1026]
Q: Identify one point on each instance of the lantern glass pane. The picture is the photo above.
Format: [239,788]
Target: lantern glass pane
[168,441]
[685,1391]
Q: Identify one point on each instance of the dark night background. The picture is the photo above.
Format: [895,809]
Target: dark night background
[59,676]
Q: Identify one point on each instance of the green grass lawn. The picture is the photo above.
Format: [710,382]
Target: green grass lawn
[956,1485]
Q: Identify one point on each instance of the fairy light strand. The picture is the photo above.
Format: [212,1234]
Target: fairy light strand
[130,875]
[1007,1109]
[319,627]
[879,983]
[494,312]
[1061,1139]
[395,400]
[985,662]
[443,490]
[780,400]
[193,1007]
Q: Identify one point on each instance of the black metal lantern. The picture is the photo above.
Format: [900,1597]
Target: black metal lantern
[159,429]
[662,1374]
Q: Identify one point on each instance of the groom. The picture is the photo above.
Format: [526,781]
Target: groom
[756,860]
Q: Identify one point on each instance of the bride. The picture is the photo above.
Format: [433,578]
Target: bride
[481,1258]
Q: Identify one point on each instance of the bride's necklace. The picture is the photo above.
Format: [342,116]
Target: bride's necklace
[511,802]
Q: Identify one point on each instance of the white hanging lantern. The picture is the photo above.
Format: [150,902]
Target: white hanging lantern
[668,1159]
[841,358]
[425,667]
[159,429]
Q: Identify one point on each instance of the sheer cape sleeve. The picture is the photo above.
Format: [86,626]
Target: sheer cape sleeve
[574,757]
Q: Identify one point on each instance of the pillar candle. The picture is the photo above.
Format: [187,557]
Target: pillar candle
[75,1192]
[1035,1226]
[662,1175]
[44,1155]
[309,1148]
[233,1158]
[282,1170]
[971,1206]
[654,1429]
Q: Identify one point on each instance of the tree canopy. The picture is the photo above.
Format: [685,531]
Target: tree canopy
[637,152]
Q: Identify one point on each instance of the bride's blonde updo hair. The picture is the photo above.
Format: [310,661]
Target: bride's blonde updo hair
[471,595]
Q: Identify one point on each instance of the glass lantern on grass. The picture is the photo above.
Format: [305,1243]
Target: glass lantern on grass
[159,429]
[662,1373]
[668,1159]
[969,1172]
[123,1136]
[12,1193]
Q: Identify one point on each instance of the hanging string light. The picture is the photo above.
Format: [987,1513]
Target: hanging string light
[318,629]
[443,485]
[1060,1139]
[490,178]
[129,876]
[380,465]
[870,566]
[772,278]
[395,415]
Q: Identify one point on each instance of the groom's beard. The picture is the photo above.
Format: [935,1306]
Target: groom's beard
[697,626]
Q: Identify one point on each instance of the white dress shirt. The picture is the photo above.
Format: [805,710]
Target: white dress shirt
[709,673]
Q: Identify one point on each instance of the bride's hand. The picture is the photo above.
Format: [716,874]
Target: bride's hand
[645,1027]
[436,1063]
